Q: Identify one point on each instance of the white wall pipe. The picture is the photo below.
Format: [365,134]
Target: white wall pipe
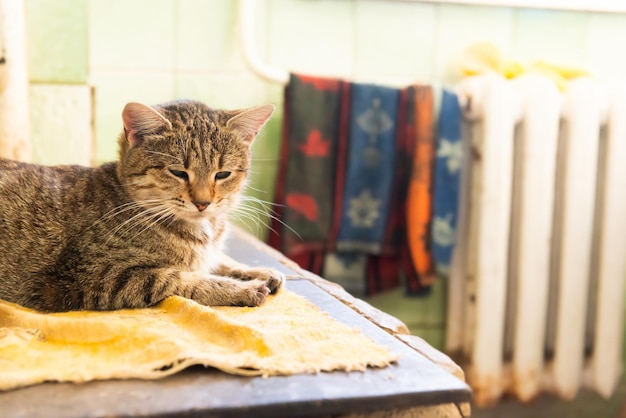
[14,113]
[247,26]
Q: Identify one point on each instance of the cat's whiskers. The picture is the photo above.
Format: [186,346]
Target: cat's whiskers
[128,206]
[138,219]
[267,212]
[125,208]
[255,189]
[262,202]
[258,216]
[240,214]
[156,218]
[147,222]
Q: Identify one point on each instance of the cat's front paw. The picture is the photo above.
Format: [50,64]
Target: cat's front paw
[254,293]
[273,278]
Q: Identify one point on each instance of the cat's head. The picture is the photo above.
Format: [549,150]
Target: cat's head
[185,160]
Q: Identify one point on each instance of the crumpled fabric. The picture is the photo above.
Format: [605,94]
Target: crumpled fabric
[483,57]
[286,335]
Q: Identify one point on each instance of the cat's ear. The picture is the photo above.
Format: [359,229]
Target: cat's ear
[250,121]
[140,120]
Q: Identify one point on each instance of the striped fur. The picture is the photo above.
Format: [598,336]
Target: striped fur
[128,234]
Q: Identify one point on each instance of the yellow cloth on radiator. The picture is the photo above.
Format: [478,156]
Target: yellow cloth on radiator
[482,57]
[286,335]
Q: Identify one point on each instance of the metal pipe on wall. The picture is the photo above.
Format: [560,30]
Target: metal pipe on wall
[247,34]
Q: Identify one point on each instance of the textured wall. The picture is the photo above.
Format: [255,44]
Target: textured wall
[89,57]
[158,50]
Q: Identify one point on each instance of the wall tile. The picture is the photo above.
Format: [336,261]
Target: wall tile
[552,36]
[57,41]
[265,161]
[264,171]
[263,180]
[432,309]
[156,50]
[433,336]
[313,37]
[206,39]
[262,24]
[461,26]
[61,124]
[227,91]
[425,316]
[276,94]
[605,41]
[266,147]
[112,92]
[394,39]
[256,217]
[132,34]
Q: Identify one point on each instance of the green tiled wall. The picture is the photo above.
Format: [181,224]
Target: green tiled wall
[316,37]
[113,89]
[224,90]
[266,153]
[205,39]
[605,36]
[57,138]
[425,316]
[460,26]
[132,35]
[388,50]
[158,50]
[164,49]
[536,36]
[57,41]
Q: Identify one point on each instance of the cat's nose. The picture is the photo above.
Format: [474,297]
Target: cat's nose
[201,204]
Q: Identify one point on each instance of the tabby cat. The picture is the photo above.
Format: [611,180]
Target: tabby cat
[131,233]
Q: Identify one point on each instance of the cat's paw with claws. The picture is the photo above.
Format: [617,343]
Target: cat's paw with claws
[254,293]
[223,291]
[273,279]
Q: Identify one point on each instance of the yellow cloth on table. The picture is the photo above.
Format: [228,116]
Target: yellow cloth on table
[286,335]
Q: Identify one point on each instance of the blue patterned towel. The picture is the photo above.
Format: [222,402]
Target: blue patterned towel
[446,182]
[370,168]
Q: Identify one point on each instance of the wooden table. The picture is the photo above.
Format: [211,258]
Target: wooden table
[422,383]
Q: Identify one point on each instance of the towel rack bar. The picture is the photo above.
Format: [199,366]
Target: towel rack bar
[247,37]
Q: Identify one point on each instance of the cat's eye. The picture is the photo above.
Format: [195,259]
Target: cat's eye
[222,175]
[180,174]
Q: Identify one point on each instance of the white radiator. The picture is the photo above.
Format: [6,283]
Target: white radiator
[536,295]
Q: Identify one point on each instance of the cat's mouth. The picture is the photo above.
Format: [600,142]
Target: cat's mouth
[188,211]
[193,215]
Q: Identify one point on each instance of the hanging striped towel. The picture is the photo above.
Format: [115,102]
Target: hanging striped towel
[356,179]
[370,168]
[385,271]
[420,188]
[311,133]
[381,271]
[405,142]
[347,270]
[447,181]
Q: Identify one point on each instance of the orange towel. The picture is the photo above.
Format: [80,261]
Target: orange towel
[419,199]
